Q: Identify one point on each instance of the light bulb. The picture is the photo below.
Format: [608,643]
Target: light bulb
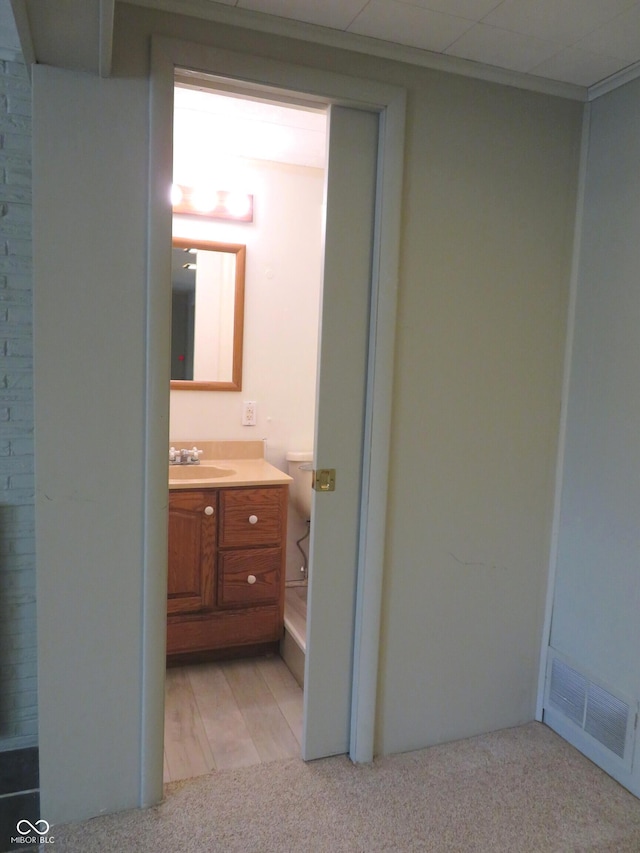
[204,199]
[238,204]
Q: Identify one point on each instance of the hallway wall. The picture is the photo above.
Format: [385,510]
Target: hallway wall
[488,207]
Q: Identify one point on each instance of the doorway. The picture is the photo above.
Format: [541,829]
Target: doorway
[224,714]
[358,657]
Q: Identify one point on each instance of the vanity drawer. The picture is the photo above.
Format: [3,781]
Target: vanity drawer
[252,516]
[249,577]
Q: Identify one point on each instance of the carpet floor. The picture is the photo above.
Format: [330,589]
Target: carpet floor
[520,790]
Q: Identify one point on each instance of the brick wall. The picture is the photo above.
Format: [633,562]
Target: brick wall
[18,689]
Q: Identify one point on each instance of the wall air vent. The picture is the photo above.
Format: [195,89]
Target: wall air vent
[568,691]
[588,705]
[606,719]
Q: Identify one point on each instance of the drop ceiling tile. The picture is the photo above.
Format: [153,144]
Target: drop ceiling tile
[563,21]
[572,65]
[472,10]
[337,14]
[407,24]
[620,37]
[494,46]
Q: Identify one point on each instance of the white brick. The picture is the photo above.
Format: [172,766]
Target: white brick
[20,494]
[15,264]
[13,430]
[18,676]
[26,684]
[15,193]
[20,248]
[17,175]
[22,655]
[18,105]
[21,447]
[18,562]
[18,347]
[15,69]
[15,86]
[15,281]
[19,315]
[20,670]
[10,213]
[18,380]
[15,124]
[17,581]
[16,465]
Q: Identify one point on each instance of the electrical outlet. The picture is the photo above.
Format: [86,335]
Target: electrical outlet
[249,413]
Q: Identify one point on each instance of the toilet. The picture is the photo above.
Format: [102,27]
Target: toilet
[300,467]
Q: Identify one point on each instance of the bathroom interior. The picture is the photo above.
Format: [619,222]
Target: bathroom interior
[249,177]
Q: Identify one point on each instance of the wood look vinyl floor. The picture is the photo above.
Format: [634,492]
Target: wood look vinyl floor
[230,714]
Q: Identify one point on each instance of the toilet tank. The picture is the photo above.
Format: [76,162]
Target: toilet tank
[300,467]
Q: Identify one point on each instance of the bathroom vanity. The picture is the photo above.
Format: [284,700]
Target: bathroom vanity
[227,544]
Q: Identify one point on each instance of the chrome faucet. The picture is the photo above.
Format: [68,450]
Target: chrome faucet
[184,456]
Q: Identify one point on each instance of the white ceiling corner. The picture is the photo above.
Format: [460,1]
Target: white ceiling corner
[573,48]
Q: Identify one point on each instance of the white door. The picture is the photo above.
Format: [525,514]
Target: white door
[339,440]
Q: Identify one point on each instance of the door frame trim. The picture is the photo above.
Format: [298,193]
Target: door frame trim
[327,87]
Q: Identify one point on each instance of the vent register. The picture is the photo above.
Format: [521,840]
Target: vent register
[605,717]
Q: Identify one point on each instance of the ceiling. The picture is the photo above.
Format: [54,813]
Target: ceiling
[212,131]
[580,45]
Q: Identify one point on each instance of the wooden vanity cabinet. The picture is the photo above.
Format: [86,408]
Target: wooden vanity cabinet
[226,571]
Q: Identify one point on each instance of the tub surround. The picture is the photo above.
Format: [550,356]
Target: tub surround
[244,458]
[293,645]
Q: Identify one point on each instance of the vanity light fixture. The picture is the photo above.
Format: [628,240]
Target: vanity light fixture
[215,204]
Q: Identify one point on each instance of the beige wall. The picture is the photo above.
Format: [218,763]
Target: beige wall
[487,225]
[489,204]
[89,329]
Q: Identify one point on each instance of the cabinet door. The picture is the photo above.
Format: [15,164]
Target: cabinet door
[192,548]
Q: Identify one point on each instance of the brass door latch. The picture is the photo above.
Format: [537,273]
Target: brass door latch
[324,480]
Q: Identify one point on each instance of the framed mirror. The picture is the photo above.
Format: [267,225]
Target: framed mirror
[207,315]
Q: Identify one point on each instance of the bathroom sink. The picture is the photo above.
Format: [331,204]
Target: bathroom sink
[198,472]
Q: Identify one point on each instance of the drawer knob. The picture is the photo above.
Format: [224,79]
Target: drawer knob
[251,579]
[253,519]
[208,510]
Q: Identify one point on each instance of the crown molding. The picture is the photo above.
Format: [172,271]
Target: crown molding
[272,25]
[632,72]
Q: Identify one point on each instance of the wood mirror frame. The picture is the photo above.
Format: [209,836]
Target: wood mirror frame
[235,383]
